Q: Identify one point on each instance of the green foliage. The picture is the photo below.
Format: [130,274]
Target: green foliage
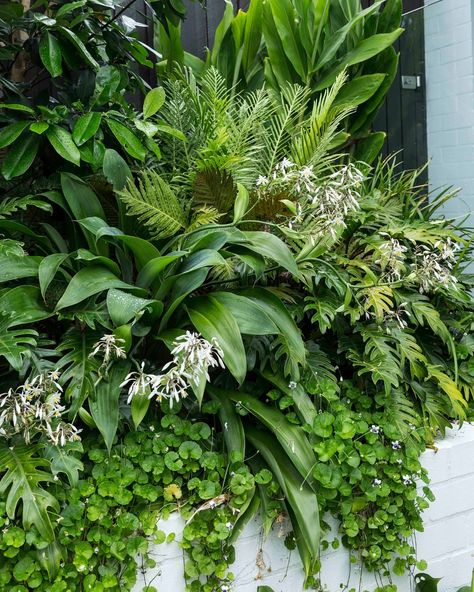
[110,515]
[309,44]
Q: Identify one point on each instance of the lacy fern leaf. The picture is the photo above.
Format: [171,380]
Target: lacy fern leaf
[154,204]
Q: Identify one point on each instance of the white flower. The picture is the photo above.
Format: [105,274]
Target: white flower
[108,347]
[377,482]
[407,480]
[35,408]
[262,181]
[396,445]
[138,383]
[375,429]
[229,525]
[292,385]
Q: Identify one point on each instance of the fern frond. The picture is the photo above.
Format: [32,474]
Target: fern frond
[11,205]
[154,204]
[204,215]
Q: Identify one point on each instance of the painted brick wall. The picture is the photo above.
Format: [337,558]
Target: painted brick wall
[447,542]
[450,99]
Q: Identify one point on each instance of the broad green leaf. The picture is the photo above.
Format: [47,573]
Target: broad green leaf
[366,49]
[252,35]
[86,255]
[182,285]
[48,268]
[298,494]
[139,407]
[81,199]
[367,149]
[18,107]
[277,312]
[116,170]
[61,140]
[10,133]
[70,6]
[426,583]
[335,40]
[231,423]
[123,307]
[291,437]
[171,131]
[214,321]
[127,139]
[50,558]
[79,45]
[13,267]
[154,267]
[153,101]
[24,304]
[359,90]
[251,318]
[202,258]
[23,475]
[20,157]
[50,54]
[284,18]
[104,406]
[273,248]
[85,127]
[241,203]
[39,127]
[86,283]
[246,514]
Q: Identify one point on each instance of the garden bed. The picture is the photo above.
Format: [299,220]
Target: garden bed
[447,543]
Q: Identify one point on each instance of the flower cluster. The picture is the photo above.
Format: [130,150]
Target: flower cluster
[433,267]
[35,408]
[109,347]
[392,258]
[324,205]
[193,356]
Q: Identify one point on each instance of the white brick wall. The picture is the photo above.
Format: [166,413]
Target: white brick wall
[447,543]
[450,99]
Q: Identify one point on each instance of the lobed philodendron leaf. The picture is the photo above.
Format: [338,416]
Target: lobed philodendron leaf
[21,482]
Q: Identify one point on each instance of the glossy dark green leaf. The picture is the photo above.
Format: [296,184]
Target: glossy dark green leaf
[24,304]
[231,422]
[123,307]
[127,139]
[10,133]
[299,496]
[86,283]
[154,267]
[61,140]
[50,54]
[20,156]
[273,248]
[359,90]
[79,45]
[104,406]
[116,170]
[85,127]
[80,197]
[48,268]
[214,321]
[13,267]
